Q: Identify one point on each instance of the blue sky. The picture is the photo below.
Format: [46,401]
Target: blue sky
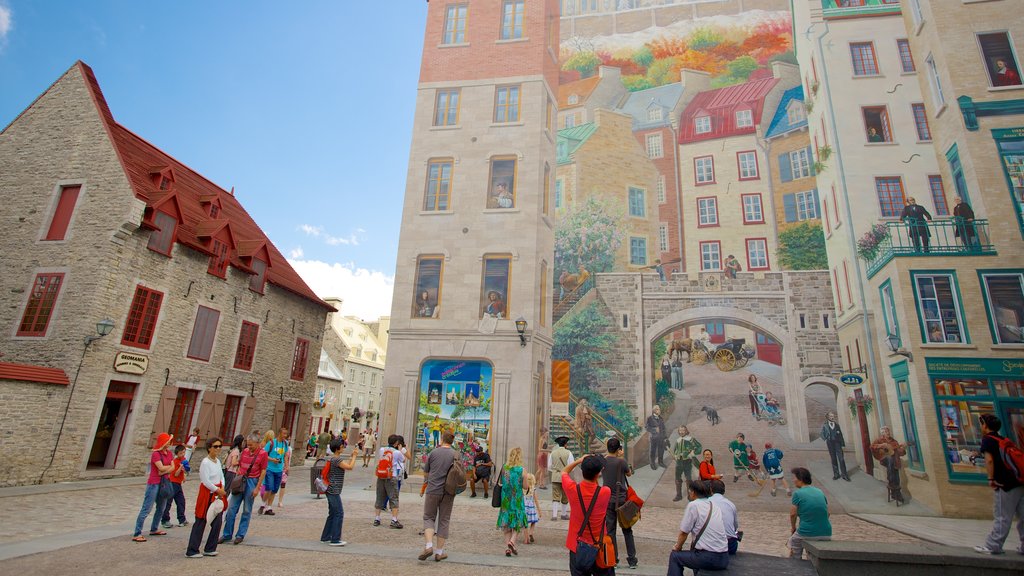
[305,108]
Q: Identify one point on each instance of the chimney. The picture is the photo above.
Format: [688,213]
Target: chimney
[694,81]
[788,73]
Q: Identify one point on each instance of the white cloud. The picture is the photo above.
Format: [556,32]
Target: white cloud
[296,253]
[365,293]
[6,21]
[329,239]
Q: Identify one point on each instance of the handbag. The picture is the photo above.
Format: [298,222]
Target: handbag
[238,482]
[629,512]
[499,485]
[320,482]
[166,491]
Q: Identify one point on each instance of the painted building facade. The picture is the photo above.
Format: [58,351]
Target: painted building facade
[794,191]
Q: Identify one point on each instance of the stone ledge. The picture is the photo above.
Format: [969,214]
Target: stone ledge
[832,558]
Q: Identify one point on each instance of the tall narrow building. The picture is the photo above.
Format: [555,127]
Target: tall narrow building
[475,255]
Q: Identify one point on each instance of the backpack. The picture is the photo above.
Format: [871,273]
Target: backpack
[384,465]
[1012,457]
[321,482]
[455,482]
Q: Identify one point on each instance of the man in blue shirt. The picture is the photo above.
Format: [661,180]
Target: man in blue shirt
[277,451]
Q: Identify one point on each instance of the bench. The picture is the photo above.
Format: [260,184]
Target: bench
[834,558]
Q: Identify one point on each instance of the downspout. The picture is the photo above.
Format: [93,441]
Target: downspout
[868,336]
[679,193]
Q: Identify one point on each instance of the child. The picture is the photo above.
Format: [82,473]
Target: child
[190,445]
[530,499]
[177,476]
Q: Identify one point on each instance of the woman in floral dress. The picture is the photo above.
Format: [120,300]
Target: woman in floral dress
[512,517]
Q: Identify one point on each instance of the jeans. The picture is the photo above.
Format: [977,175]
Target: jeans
[611,523]
[236,501]
[595,571]
[335,516]
[179,502]
[1004,506]
[696,560]
[147,504]
[196,537]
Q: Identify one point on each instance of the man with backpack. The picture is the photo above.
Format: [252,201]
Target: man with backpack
[1004,464]
[389,466]
[442,464]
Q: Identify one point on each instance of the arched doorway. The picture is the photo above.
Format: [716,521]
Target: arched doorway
[820,397]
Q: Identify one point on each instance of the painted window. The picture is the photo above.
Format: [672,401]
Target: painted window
[570,120]
[203,333]
[637,251]
[864,62]
[184,410]
[752,213]
[796,113]
[512,19]
[655,114]
[142,317]
[1011,151]
[800,163]
[702,124]
[219,261]
[559,200]
[938,305]
[915,12]
[806,205]
[654,146]
[549,119]
[876,124]
[229,421]
[546,199]
[849,297]
[299,357]
[839,295]
[909,422]
[1004,301]
[890,195]
[258,281]
[62,213]
[161,239]
[707,211]
[892,325]
[906,57]
[744,119]
[661,189]
[439,182]
[747,162]
[935,82]
[455,24]
[957,170]
[427,299]
[663,237]
[704,169]
[446,108]
[711,255]
[757,254]
[573,99]
[1000,61]
[637,202]
[938,195]
[502,192]
[246,349]
[494,297]
[835,206]
[506,104]
[924,132]
[41,302]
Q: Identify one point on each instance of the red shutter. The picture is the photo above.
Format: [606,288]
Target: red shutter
[279,407]
[203,333]
[141,322]
[246,346]
[164,410]
[299,359]
[62,214]
[41,301]
[257,280]
[162,239]
[247,415]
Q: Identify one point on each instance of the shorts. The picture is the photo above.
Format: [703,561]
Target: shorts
[387,489]
[557,494]
[796,543]
[272,481]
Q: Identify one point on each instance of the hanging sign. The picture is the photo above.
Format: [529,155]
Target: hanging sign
[851,379]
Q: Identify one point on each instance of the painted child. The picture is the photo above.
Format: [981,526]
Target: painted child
[530,499]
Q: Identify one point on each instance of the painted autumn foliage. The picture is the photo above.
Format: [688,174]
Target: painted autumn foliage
[729,53]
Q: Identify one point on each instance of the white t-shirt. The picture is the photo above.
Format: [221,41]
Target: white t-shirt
[729,517]
[397,460]
[714,538]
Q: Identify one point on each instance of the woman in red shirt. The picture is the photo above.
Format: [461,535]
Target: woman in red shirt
[707,467]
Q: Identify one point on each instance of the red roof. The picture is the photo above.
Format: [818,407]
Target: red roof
[141,160]
[581,88]
[30,373]
[721,106]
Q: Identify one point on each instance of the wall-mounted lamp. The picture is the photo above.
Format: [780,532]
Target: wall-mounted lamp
[521,329]
[103,327]
[894,346]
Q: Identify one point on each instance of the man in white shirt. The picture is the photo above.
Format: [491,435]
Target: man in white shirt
[729,516]
[704,520]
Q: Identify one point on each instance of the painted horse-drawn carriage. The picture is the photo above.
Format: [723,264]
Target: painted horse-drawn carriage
[733,353]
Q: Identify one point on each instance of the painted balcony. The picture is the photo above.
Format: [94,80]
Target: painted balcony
[944,239]
[852,8]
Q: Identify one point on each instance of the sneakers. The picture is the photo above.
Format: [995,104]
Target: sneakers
[396,525]
[262,508]
[183,523]
[376,521]
[339,543]
[439,557]
[427,552]
[269,512]
[194,555]
[986,550]
[214,553]
[167,525]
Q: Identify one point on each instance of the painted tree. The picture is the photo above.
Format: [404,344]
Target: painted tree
[738,71]
[585,63]
[588,237]
[802,247]
[584,339]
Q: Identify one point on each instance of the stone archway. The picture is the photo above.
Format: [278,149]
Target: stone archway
[820,395]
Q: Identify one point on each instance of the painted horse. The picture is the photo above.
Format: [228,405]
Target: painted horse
[680,345]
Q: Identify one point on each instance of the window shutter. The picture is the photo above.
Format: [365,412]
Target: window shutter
[205,421]
[810,159]
[203,333]
[817,203]
[62,214]
[789,206]
[279,407]
[164,411]
[247,413]
[785,168]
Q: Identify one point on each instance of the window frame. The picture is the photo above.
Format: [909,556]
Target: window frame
[985,58]
[661,193]
[450,36]
[419,285]
[258,281]
[923,128]
[663,237]
[506,289]
[40,305]
[513,97]
[983,275]
[218,265]
[750,264]
[795,158]
[858,57]
[202,332]
[702,125]
[739,165]
[718,246]
[441,117]
[300,357]
[634,193]
[697,170]
[143,317]
[509,29]
[700,213]
[897,207]
[938,195]
[245,348]
[906,56]
[638,243]
[748,118]
[888,301]
[915,276]
[432,186]
[935,82]
[655,145]
[883,118]
[806,198]
[63,212]
[760,207]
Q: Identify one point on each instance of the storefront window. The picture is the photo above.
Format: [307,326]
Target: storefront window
[1011,149]
[962,388]
[1004,299]
[1010,388]
[909,422]
[962,434]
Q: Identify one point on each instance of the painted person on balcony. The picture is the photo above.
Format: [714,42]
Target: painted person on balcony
[914,216]
[963,217]
[732,266]
[655,426]
[685,452]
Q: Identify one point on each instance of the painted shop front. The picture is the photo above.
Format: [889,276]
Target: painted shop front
[455,396]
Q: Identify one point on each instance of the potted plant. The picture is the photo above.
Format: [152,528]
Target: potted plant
[869,404]
[819,167]
[824,152]
[870,243]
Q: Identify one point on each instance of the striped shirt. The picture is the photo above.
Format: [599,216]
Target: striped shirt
[336,475]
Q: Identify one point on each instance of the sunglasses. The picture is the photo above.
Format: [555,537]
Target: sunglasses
[216,446]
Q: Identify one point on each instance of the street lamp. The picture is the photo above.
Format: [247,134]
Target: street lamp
[894,346]
[103,327]
[521,329]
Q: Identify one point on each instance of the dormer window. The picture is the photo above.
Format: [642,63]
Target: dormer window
[219,261]
[214,210]
[744,119]
[574,99]
[163,237]
[702,124]
[258,280]
[655,114]
[162,178]
[796,113]
[165,183]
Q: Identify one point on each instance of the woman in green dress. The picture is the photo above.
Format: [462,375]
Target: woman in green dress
[512,517]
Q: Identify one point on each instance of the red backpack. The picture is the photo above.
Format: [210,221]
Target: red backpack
[1012,457]
[384,465]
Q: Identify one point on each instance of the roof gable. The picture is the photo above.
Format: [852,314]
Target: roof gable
[780,123]
[721,106]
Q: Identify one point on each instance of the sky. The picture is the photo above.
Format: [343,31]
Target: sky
[305,108]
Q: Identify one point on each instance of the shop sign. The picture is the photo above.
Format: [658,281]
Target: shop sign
[851,379]
[129,363]
[991,367]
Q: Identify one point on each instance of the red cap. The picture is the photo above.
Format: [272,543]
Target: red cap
[767,444]
[162,440]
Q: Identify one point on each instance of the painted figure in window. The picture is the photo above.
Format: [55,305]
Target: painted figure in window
[914,216]
[874,136]
[501,197]
[732,266]
[434,393]
[424,308]
[963,217]
[1004,76]
[935,334]
[495,307]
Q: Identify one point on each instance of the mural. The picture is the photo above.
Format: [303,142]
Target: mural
[455,395]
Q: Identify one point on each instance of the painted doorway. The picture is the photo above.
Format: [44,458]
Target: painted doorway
[819,398]
[117,406]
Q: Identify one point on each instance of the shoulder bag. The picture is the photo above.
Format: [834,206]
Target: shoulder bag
[711,508]
[629,512]
[497,488]
[600,553]
[238,482]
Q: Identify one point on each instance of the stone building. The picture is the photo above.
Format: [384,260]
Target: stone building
[138,297]
[362,367]
[327,409]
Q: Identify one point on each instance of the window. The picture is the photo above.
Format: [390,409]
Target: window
[1004,301]
[661,189]
[711,255]
[796,113]
[835,206]
[161,239]
[439,185]
[806,205]
[219,261]
[655,114]
[455,24]
[935,82]
[747,162]
[203,333]
[503,183]
[41,302]
[890,195]
[915,12]
[864,62]
[938,306]
[232,408]
[62,213]
[702,124]
[744,119]
[637,251]
[506,104]
[938,195]
[559,200]
[1000,61]
[214,210]
[707,211]
[906,58]
[795,165]
[876,124]
[494,297]
[246,349]
[757,254]
[258,280]
[299,357]
[512,19]
[184,410]
[849,298]
[142,316]
[573,99]
[924,133]
[570,120]
[427,300]
[957,170]
[348,400]
[654,146]
[704,169]
[839,296]
[892,325]
[824,212]
[446,108]
[752,213]
[549,119]
[663,237]
[637,202]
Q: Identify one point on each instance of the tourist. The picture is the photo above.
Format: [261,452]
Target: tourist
[772,460]
[369,441]
[252,465]
[512,516]
[709,548]
[177,477]
[277,449]
[331,533]
[832,434]
[655,426]
[530,500]
[482,466]
[740,459]
[729,515]
[190,445]
[1007,491]
[284,475]
[311,445]
[210,502]
[234,456]
[811,508]
[160,465]
[560,458]
[437,504]
[389,469]
[586,495]
[685,453]
[707,467]
[616,469]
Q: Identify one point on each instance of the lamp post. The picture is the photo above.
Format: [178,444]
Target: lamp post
[894,346]
[521,329]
